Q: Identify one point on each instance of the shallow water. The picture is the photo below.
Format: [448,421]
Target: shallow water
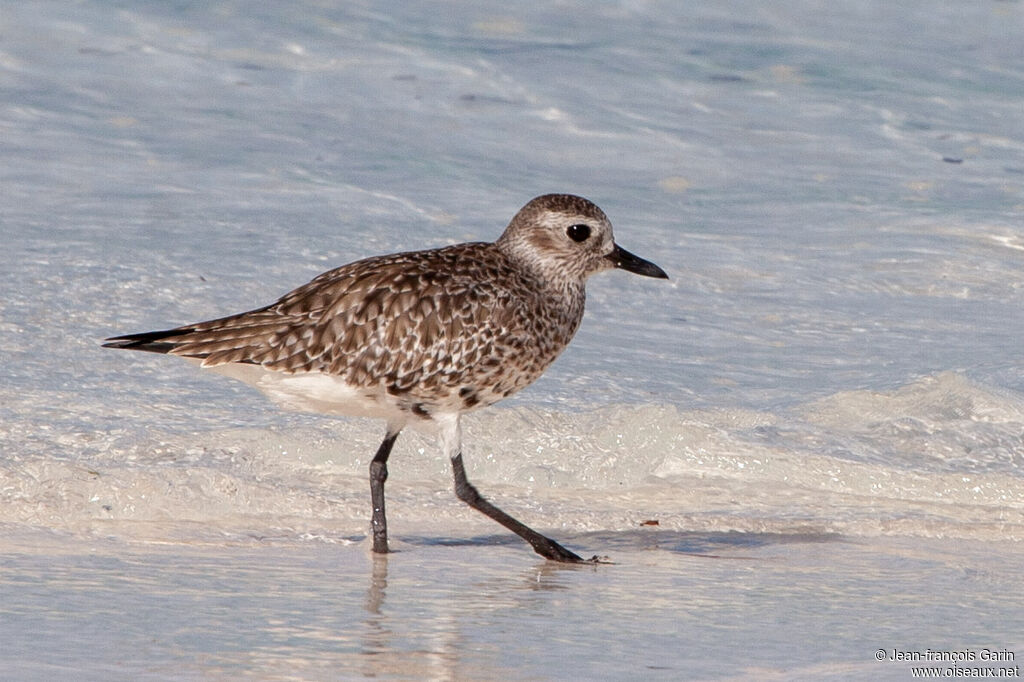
[827,396]
[748,606]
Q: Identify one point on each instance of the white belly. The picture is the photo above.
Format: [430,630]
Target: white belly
[315,392]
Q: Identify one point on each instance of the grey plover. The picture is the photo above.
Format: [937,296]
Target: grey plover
[420,338]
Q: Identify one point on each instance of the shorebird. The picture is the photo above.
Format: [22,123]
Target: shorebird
[422,337]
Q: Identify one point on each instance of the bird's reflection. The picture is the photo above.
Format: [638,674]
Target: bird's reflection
[386,639]
[376,633]
[386,652]
[378,584]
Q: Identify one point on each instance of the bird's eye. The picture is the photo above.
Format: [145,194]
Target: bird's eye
[578,233]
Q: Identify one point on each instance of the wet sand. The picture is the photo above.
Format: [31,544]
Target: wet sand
[674,605]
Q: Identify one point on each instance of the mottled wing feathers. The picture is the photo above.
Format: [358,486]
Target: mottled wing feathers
[412,322]
[216,341]
[415,322]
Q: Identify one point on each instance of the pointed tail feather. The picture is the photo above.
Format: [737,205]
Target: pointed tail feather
[153,342]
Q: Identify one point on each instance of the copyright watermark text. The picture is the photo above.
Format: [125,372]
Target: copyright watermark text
[955,663]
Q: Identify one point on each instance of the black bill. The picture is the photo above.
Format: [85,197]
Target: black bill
[625,260]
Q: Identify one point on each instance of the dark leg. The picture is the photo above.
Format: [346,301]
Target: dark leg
[546,547]
[379,474]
